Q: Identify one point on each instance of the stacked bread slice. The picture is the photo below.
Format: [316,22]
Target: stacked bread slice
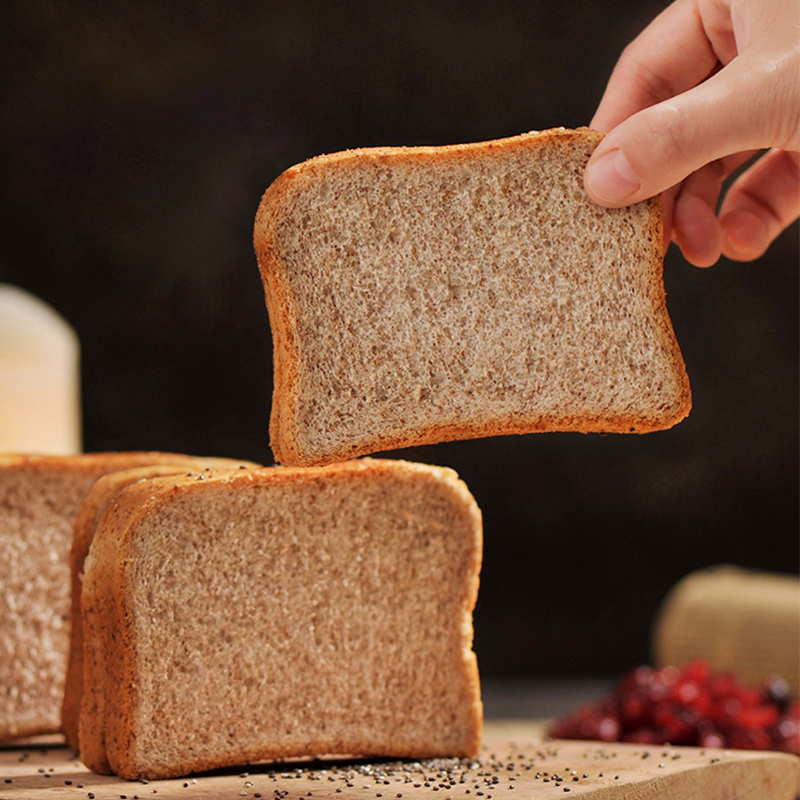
[89,514]
[39,499]
[238,616]
[224,613]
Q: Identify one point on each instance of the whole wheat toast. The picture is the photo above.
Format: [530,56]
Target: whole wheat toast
[418,295]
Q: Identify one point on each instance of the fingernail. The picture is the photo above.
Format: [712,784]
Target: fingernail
[611,177]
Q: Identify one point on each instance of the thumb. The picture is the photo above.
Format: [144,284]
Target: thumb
[748,105]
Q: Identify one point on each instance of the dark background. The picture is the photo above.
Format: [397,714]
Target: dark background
[136,141]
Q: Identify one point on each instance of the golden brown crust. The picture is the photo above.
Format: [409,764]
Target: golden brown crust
[110,716]
[104,631]
[287,339]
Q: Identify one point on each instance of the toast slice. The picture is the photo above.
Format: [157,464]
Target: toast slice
[39,498]
[279,613]
[419,295]
[89,513]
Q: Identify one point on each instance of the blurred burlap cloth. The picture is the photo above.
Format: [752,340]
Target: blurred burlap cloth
[738,620]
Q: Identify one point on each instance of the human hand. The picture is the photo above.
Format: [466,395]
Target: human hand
[704,87]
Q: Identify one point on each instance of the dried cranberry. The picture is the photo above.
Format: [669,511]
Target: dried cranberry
[759,717]
[691,706]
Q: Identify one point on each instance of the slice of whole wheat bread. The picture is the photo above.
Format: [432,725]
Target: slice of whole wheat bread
[39,497]
[418,295]
[279,613]
[86,519]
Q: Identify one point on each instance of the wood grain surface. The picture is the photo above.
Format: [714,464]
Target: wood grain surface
[514,763]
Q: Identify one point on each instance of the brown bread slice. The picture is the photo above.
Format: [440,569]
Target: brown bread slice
[282,612]
[89,513]
[39,497]
[418,295]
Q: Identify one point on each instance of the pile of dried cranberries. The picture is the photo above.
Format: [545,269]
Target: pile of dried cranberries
[689,705]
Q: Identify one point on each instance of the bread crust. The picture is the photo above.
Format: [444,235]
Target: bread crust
[79,471]
[283,305]
[110,716]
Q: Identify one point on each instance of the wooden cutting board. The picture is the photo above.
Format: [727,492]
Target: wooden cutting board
[514,764]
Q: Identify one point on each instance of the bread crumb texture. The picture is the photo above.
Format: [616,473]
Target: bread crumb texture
[35,530]
[424,294]
[283,612]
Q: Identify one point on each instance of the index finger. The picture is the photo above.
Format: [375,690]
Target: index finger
[675,52]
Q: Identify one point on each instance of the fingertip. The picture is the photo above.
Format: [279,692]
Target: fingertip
[697,231]
[601,122]
[610,180]
[745,237]
[702,260]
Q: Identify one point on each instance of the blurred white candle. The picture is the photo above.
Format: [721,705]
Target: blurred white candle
[39,377]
